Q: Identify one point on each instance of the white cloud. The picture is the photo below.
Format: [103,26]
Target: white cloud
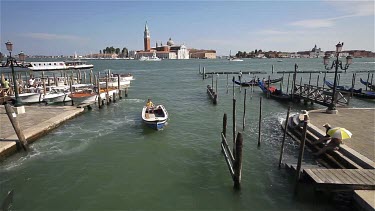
[349,8]
[314,23]
[47,36]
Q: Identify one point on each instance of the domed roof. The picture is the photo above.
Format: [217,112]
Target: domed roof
[170,42]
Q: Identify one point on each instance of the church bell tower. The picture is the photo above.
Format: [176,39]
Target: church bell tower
[147,38]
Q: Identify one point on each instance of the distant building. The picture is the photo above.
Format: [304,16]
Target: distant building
[202,54]
[284,55]
[314,53]
[360,53]
[169,51]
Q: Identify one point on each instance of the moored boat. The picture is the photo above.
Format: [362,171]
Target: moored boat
[356,92]
[31,97]
[59,65]
[274,93]
[254,82]
[156,118]
[368,84]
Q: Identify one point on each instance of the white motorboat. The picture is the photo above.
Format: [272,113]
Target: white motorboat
[152,58]
[156,118]
[113,80]
[235,60]
[31,97]
[58,94]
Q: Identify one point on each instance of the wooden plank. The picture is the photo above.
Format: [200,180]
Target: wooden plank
[333,176]
[370,174]
[344,177]
[359,178]
[325,174]
[350,175]
[356,179]
[370,180]
[321,176]
[360,173]
[313,176]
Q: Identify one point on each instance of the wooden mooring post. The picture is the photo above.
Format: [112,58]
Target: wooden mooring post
[21,142]
[260,122]
[234,165]
[227,84]
[238,162]
[301,151]
[294,81]
[106,88]
[234,125]
[283,141]
[99,97]
[119,87]
[287,86]
[244,111]
[233,85]
[126,91]
[368,78]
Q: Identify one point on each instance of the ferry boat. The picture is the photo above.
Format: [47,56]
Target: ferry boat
[59,65]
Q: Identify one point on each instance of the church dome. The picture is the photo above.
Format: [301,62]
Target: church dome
[170,42]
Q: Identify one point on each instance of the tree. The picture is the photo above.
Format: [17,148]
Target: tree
[100,51]
[125,52]
[117,51]
[256,51]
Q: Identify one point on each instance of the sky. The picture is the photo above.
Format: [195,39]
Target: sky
[53,27]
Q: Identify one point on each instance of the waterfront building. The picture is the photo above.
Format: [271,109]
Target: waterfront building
[202,54]
[314,53]
[168,51]
[284,55]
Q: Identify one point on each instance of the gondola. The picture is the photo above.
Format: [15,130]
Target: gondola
[356,92]
[274,93]
[254,82]
[342,88]
[368,84]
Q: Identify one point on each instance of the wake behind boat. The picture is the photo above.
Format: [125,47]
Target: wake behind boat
[155,118]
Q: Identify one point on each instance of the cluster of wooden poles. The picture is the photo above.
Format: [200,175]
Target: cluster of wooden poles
[234,158]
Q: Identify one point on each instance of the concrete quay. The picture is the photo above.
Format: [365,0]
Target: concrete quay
[36,122]
[356,152]
[359,121]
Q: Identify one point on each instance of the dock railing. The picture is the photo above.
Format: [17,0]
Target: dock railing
[320,95]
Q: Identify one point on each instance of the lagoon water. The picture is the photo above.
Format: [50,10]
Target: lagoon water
[108,160]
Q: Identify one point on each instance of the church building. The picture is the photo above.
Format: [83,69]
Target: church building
[168,51]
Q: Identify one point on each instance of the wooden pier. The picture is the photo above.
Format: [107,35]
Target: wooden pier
[342,179]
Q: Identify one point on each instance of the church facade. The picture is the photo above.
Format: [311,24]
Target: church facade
[168,51]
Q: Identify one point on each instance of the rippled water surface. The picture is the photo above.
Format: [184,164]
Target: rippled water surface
[107,159]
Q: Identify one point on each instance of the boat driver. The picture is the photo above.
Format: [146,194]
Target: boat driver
[150,106]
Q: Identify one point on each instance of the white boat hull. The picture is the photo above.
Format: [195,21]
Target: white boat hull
[57,98]
[156,120]
[30,97]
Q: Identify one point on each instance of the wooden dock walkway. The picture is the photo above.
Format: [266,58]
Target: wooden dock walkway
[342,179]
